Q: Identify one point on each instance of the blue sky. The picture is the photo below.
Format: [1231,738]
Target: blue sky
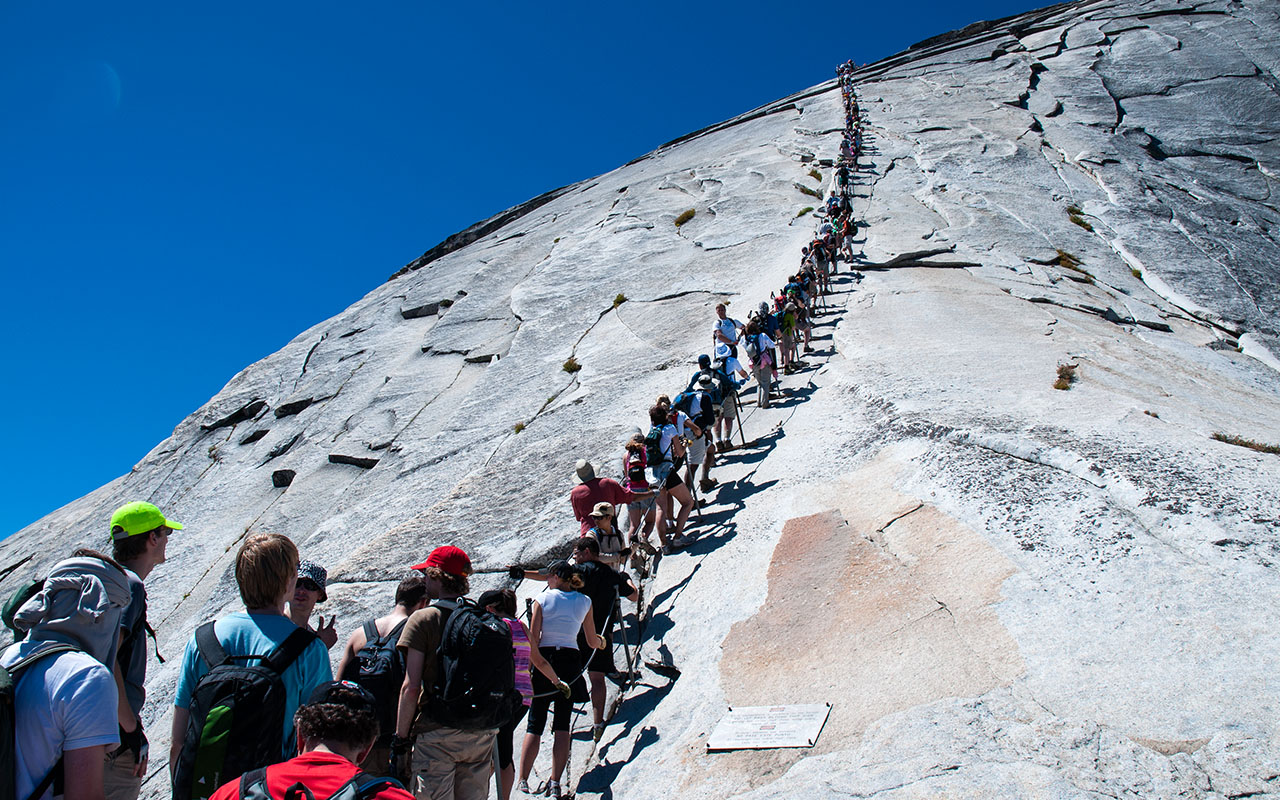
[184,189]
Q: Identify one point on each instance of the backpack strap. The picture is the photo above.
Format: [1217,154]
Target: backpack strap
[209,646]
[371,633]
[289,650]
[253,785]
[395,632]
[363,786]
[54,778]
[298,791]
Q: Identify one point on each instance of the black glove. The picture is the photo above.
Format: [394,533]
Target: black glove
[134,741]
[401,750]
[515,573]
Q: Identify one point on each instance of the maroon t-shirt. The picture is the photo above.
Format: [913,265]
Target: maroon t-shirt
[585,495]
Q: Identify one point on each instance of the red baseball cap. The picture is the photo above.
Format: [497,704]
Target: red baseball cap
[448,558]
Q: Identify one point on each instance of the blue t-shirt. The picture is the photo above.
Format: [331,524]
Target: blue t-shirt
[245,634]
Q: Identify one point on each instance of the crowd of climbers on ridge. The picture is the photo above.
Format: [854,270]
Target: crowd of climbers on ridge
[428,695]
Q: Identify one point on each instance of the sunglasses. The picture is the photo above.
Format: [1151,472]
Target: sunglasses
[308,584]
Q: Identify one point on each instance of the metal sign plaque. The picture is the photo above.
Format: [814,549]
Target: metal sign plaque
[767,727]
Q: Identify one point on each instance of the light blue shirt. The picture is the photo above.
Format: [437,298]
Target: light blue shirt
[245,634]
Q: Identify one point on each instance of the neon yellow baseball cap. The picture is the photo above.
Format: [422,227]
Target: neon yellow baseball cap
[138,517]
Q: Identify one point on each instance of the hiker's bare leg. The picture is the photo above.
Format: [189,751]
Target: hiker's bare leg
[681,493]
[559,755]
[597,695]
[506,779]
[529,754]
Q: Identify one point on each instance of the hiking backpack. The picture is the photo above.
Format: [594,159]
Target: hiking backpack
[635,468]
[362,786]
[9,677]
[753,349]
[699,413]
[652,447]
[475,685]
[236,714]
[379,668]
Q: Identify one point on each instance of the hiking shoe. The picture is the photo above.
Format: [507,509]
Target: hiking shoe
[597,731]
[553,790]
[707,484]
[681,541]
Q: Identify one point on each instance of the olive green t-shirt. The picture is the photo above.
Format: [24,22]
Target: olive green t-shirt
[422,632]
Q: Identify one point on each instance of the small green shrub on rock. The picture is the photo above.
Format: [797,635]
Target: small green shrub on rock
[684,217]
[571,366]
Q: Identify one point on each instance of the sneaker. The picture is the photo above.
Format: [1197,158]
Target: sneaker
[667,550]
[681,541]
[523,787]
[553,790]
[597,731]
[724,446]
[707,484]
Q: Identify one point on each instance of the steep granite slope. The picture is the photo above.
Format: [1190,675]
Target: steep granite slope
[1003,588]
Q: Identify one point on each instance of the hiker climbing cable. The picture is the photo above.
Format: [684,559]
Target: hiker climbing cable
[557,615]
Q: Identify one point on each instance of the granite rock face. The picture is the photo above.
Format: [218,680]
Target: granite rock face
[1003,589]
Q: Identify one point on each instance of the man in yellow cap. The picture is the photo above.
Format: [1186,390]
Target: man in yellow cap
[139,537]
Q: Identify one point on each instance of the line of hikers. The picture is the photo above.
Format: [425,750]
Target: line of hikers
[428,695]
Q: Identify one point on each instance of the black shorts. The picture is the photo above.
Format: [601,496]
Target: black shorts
[599,660]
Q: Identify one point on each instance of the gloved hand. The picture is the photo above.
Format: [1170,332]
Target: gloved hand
[564,689]
[401,749]
[515,573]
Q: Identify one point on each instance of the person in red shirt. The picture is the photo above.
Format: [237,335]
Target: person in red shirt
[592,490]
[336,730]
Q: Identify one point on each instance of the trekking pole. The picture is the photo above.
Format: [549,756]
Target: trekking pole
[693,491]
[738,413]
[626,642]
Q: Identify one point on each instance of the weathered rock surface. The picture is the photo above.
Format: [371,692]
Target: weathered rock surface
[1004,589]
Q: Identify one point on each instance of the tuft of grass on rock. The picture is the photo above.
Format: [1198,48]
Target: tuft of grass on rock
[556,240]
[1240,441]
[804,211]
[445,303]
[1077,216]
[1151,414]
[571,366]
[817,176]
[1066,376]
[806,190]
[619,300]
[519,426]
[1068,261]
[685,216]
[1135,272]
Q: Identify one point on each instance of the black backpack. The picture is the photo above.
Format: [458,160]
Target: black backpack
[9,677]
[475,685]
[652,450]
[253,786]
[379,668]
[236,715]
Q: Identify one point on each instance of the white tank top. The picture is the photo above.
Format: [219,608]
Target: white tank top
[562,615]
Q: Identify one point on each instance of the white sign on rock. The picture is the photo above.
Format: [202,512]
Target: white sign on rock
[767,727]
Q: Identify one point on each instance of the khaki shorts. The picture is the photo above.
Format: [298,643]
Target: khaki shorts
[697,451]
